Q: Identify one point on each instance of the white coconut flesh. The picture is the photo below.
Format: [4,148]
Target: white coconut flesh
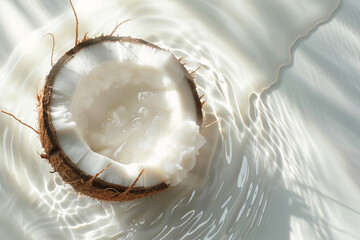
[129,105]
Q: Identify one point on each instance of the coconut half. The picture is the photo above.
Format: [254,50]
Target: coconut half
[120,118]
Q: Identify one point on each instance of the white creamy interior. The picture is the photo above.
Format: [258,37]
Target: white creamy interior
[129,105]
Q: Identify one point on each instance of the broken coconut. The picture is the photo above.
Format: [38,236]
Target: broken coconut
[119,118]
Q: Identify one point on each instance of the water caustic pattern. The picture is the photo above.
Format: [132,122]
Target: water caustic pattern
[281,162]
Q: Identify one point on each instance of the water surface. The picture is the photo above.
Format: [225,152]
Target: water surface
[281,164]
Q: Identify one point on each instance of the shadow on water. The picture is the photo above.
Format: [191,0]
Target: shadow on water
[307,205]
[296,46]
[288,205]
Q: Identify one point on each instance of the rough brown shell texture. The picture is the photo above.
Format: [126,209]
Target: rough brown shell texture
[82,182]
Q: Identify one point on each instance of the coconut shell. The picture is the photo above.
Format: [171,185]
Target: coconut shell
[82,182]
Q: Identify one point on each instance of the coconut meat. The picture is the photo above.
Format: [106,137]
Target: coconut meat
[129,105]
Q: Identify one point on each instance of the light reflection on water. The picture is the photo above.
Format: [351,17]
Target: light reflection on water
[267,173]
